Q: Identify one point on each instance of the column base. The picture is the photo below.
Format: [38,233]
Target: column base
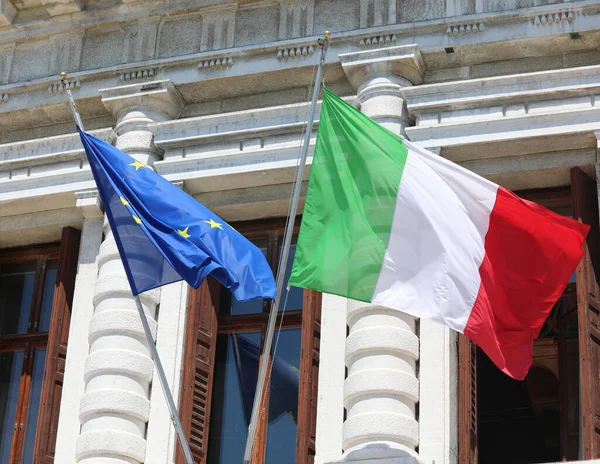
[379,452]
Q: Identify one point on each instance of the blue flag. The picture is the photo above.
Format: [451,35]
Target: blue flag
[285,380]
[164,235]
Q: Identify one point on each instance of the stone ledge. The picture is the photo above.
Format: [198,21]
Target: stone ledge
[489,91]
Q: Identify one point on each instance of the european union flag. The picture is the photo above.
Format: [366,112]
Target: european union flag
[164,235]
[285,380]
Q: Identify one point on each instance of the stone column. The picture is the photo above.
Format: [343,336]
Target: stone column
[78,345]
[382,389]
[115,408]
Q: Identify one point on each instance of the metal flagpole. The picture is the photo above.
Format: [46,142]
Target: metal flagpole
[262,374]
[161,372]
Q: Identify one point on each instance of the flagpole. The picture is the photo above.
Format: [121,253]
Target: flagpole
[159,367]
[262,374]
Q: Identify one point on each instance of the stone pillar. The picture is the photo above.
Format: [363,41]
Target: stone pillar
[115,408]
[381,390]
[78,345]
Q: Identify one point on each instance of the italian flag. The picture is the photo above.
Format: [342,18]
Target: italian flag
[392,224]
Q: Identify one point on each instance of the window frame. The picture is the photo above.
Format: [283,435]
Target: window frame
[66,253]
[212,297]
[31,340]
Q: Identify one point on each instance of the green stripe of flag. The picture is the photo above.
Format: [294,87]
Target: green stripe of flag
[350,203]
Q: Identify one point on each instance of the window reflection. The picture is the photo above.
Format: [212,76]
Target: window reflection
[11,367]
[233,388]
[283,399]
[37,375]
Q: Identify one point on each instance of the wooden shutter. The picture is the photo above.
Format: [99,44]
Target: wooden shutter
[198,368]
[467,400]
[309,377]
[585,209]
[57,346]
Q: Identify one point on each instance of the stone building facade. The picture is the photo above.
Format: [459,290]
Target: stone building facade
[214,95]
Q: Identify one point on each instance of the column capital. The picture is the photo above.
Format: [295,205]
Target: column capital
[88,202]
[160,97]
[404,61]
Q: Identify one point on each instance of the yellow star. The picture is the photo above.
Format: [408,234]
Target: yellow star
[137,219]
[124,201]
[184,232]
[138,165]
[214,224]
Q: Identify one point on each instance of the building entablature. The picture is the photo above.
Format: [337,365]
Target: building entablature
[201,48]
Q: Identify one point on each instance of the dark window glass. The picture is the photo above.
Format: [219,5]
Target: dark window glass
[236,370]
[11,368]
[16,292]
[37,375]
[283,399]
[46,312]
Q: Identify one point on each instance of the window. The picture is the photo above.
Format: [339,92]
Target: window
[554,414]
[36,290]
[223,345]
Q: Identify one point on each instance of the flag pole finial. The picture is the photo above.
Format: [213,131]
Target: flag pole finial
[327,34]
[65,87]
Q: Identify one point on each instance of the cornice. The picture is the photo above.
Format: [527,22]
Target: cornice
[46,150]
[502,90]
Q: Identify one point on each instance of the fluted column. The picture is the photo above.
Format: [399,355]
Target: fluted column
[118,370]
[381,390]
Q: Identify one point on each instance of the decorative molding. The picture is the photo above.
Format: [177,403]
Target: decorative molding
[535,112]
[46,150]
[216,63]
[56,88]
[465,29]
[292,52]
[377,13]
[138,74]
[378,40]
[218,29]
[559,17]
[295,19]
[66,51]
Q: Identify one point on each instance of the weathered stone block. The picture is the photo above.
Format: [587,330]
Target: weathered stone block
[256,25]
[336,15]
[59,7]
[180,36]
